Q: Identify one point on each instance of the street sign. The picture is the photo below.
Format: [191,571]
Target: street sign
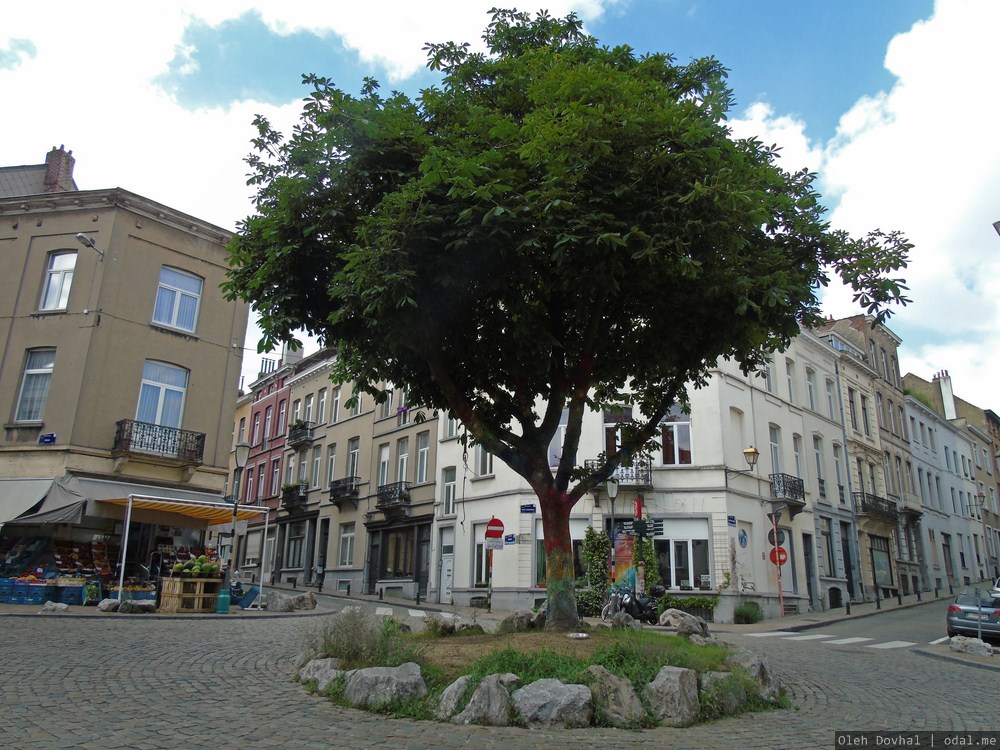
[770,537]
[493,542]
[731,520]
[528,509]
[510,539]
[779,555]
[494,529]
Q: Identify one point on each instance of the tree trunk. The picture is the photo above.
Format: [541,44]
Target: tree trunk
[560,577]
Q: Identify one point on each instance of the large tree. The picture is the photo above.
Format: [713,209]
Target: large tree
[558,226]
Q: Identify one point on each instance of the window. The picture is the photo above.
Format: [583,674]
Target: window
[255,437]
[826,531]
[403,410]
[275,476]
[290,470]
[864,414]
[880,410]
[481,578]
[177,299]
[58,280]
[451,426]
[335,406]
[317,465]
[790,377]
[249,487]
[346,557]
[161,395]
[768,375]
[281,414]
[774,437]
[892,418]
[303,466]
[484,462]
[402,459]
[818,454]
[357,405]
[243,430]
[448,499]
[293,550]
[307,415]
[321,407]
[423,456]
[797,454]
[811,389]
[260,480]
[579,566]
[852,408]
[831,401]
[353,456]
[839,475]
[676,431]
[383,464]
[268,423]
[556,444]
[35,385]
[331,463]
[385,409]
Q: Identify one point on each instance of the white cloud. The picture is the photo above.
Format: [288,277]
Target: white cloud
[922,158]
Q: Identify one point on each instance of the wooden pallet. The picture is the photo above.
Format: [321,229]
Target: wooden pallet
[189,595]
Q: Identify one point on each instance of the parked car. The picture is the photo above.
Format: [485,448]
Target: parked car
[974,611]
[996,587]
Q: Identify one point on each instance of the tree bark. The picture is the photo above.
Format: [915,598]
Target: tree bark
[560,579]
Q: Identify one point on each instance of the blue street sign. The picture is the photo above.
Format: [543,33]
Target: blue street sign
[731,520]
[528,509]
[510,539]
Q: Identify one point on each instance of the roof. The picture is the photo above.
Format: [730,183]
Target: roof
[28,179]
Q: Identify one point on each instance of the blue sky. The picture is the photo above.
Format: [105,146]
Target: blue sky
[892,102]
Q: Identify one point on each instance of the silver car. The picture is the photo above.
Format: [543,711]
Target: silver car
[976,613]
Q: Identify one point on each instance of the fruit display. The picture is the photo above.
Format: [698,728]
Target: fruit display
[198,567]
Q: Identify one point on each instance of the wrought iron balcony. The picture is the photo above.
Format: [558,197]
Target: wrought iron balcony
[299,434]
[394,499]
[639,474]
[865,502]
[180,446]
[294,495]
[344,490]
[790,490]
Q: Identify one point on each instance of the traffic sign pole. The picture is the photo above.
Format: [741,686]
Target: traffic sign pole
[777,559]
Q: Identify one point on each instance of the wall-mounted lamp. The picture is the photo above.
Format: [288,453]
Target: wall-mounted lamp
[87,241]
[750,455]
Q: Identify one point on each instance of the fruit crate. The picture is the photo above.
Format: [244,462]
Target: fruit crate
[71,594]
[39,594]
[189,595]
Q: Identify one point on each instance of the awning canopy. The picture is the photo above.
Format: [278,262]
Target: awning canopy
[212,512]
[18,496]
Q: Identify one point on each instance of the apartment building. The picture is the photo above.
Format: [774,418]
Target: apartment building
[120,358]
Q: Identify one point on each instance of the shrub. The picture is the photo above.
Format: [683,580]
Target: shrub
[747,613]
[362,640]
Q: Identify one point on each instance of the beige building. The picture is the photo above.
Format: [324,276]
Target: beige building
[120,358]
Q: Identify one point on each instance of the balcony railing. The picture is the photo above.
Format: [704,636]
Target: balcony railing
[865,502]
[299,434]
[146,438]
[789,490]
[343,490]
[394,499]
[639,474]
[293,496]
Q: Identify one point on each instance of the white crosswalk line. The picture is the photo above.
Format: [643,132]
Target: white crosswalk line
[846,641]
[416,613]
[810,637]
[384,611]
[772,634]
[892,644]
[940,640]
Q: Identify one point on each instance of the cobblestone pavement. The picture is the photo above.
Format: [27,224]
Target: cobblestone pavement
[145,682]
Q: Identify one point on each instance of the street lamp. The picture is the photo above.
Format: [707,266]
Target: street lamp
[241,455]
[611,487]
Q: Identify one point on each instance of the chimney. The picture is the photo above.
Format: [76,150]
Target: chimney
[59,171]
[947,394]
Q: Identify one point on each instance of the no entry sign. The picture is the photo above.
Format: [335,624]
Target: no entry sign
[779,555]
[494,529]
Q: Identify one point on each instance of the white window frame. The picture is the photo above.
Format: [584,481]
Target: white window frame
[402,459]
[321,406]
[162,389]
[36,380]
[484,462]
[178,295]
[449,484]
[423,455]
[345,556]
[58,281]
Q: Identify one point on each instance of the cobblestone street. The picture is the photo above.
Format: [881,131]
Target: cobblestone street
[145,682]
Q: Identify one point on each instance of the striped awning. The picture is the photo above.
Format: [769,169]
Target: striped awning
[202,509]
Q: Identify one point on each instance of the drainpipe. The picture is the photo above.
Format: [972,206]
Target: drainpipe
[855,547]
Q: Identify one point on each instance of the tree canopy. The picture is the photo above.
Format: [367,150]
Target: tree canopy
[557,225]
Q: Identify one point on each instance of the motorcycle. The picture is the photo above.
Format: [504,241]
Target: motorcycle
[642,608]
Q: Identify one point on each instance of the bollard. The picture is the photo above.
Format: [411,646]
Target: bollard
[348,589]
[380,591]
[418,597]
[878,600]
[936,594]
[848,605]
[919,598]
[899,598]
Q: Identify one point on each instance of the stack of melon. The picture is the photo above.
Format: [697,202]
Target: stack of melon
[199,567]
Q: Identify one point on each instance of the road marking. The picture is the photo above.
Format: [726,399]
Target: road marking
[845,641]
[416,613]
[810,637]
[772,634]
[940,640]
[384,611]
[892,644]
